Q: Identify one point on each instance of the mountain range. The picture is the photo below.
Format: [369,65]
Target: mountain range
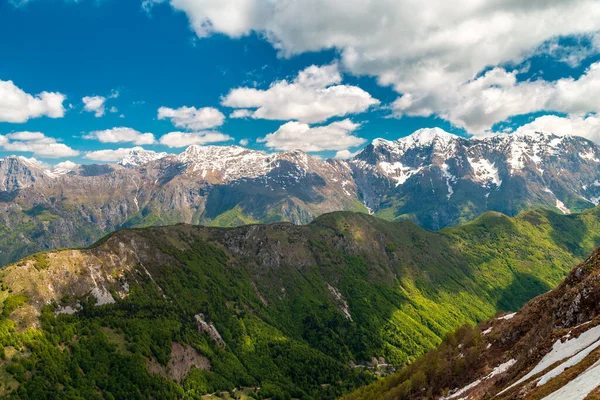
[431,177]
[270,311]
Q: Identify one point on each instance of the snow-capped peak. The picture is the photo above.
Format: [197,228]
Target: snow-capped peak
[139,156]
[224,163]
[31,163]
[379,142]
[427,136]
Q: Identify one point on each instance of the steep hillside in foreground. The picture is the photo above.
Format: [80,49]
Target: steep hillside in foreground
[300,311]
[431,177]
[548,350]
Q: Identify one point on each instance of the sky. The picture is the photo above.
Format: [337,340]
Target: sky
[85,81]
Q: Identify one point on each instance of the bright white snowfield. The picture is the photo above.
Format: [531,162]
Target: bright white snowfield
[579,387]
[571,352]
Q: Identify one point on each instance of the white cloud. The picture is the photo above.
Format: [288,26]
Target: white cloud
[69,165]
[234,18]
[18,106]
[37,143]
[241,113]
[109,154]
[572,53]
[399,40]
[424,50]
[95,104]
[345,154]
[26,135]
[192,118]
[313,96]
[183,139]
[295,135]
[576,125]
[244,142]
[496,96]
[121,135]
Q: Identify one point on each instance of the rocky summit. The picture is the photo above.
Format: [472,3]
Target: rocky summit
[431,177]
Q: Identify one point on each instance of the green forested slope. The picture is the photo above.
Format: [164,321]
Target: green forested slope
[284,308]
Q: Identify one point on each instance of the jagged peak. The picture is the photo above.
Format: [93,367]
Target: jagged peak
[140,156]
[194,148]
[28,162]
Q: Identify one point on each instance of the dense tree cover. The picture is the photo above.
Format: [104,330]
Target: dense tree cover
[436,372]
[281,321]
[72,357]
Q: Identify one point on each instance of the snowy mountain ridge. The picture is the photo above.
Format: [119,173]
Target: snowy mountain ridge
[432,177]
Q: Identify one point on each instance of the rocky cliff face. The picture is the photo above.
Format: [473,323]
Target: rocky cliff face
[431,177]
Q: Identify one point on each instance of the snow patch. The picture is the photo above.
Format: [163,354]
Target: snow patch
[580,387]
[484,171]
[576,359]
[589,155]
[507,316]
[561,351]
[397,171]
[500,369]
[449,178]
[561,206]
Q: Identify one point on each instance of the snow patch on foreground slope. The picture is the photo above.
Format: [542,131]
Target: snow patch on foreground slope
[500,369]
[580,387]
[561,351]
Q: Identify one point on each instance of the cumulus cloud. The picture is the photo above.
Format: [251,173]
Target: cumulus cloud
[183,139]
[110,154]
[95,104]
[244,142]
[587,126]
[37,143]
[315,95]
[295,135]
[396,40]
[121,135]
[425,51]
[192,118]
[241,113]
[345,154]
[496,95]
[18,106]
[234,18]
[26,135]
[68,165]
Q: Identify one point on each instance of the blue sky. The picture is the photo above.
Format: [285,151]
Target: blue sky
[141,57]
